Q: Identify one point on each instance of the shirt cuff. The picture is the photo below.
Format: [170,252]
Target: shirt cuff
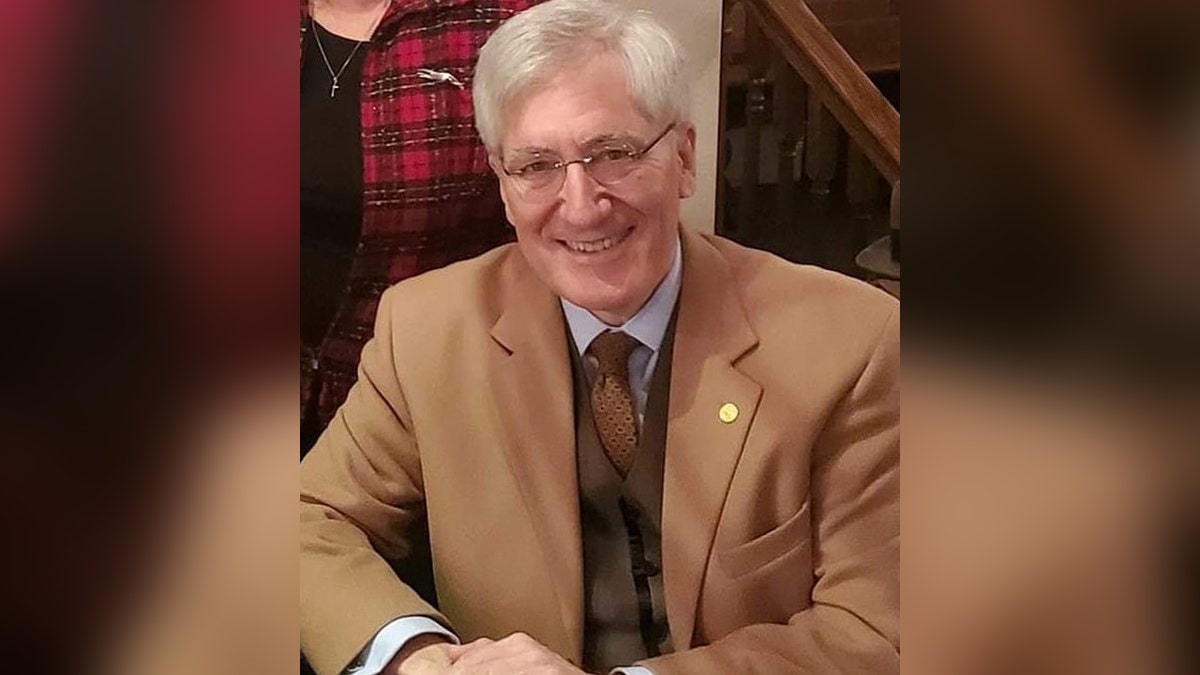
[631,670]
[391,639]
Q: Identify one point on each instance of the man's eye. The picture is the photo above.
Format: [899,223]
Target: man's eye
[540,166]
[612,154]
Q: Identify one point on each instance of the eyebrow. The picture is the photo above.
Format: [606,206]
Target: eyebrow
[594,140]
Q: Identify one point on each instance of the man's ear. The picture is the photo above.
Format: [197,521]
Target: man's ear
[687,160]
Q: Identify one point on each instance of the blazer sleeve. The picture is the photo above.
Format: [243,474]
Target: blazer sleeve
[361,493]
[853,622]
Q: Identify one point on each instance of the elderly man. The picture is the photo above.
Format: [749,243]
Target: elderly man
[633,447]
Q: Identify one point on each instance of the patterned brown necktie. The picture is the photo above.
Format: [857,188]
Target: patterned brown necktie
[612,405]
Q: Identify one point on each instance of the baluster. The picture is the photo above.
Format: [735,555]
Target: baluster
[862,182]
[861,191]
[791,111]
[733,29]
[821,144]
[756,116]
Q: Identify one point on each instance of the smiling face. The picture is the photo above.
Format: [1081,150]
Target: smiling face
[602,247]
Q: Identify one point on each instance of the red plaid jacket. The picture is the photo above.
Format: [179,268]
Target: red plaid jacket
[429,197]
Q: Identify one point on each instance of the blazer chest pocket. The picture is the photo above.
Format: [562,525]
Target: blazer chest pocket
[782,542]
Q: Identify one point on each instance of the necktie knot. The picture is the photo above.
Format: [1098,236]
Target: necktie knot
[612,350]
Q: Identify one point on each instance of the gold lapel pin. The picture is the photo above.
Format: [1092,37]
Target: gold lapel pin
[728,413]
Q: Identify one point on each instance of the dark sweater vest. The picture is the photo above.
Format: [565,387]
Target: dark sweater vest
[621,520]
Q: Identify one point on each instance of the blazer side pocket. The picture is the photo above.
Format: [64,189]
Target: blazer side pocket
[793,534]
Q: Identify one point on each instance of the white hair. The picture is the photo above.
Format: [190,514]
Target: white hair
[530,49]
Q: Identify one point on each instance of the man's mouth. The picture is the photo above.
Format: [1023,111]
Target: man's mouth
[597,245]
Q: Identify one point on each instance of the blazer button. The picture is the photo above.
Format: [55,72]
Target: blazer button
[728,413]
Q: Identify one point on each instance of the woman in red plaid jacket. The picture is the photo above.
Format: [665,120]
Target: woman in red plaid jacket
[394,180]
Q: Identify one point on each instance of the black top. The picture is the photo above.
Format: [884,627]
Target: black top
[331,179]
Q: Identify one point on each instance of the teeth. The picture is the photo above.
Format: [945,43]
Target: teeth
[592,246]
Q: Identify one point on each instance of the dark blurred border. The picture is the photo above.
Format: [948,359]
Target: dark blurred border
[148,238]
[148,272]
[1052,229]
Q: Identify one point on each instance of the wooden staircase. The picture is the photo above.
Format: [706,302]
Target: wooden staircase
[817,142]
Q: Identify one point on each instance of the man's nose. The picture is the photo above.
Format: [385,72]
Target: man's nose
[584,201]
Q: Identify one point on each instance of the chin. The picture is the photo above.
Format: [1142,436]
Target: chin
[594,303]
[598,302]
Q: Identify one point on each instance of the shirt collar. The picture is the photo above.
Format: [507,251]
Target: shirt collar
[649,325]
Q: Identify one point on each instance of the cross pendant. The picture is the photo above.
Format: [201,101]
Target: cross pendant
[333,89]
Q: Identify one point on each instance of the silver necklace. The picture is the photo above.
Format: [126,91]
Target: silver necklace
[359,43]
[334,87]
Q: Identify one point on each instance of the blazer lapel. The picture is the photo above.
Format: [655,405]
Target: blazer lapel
[703,445]
[532,389]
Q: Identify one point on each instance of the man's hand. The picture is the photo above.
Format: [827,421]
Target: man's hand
[517,654]
[426,654]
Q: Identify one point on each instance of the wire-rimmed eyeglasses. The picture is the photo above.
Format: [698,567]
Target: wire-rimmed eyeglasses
[542,174]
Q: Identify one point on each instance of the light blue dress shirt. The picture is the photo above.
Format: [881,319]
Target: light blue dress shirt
[649,327]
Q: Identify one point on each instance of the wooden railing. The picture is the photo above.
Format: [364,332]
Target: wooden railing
[818,88]
[834,78]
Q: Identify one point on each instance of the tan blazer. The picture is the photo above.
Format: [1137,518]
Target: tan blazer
[780,526]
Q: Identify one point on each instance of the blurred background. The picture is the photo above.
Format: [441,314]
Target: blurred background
[149,273]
